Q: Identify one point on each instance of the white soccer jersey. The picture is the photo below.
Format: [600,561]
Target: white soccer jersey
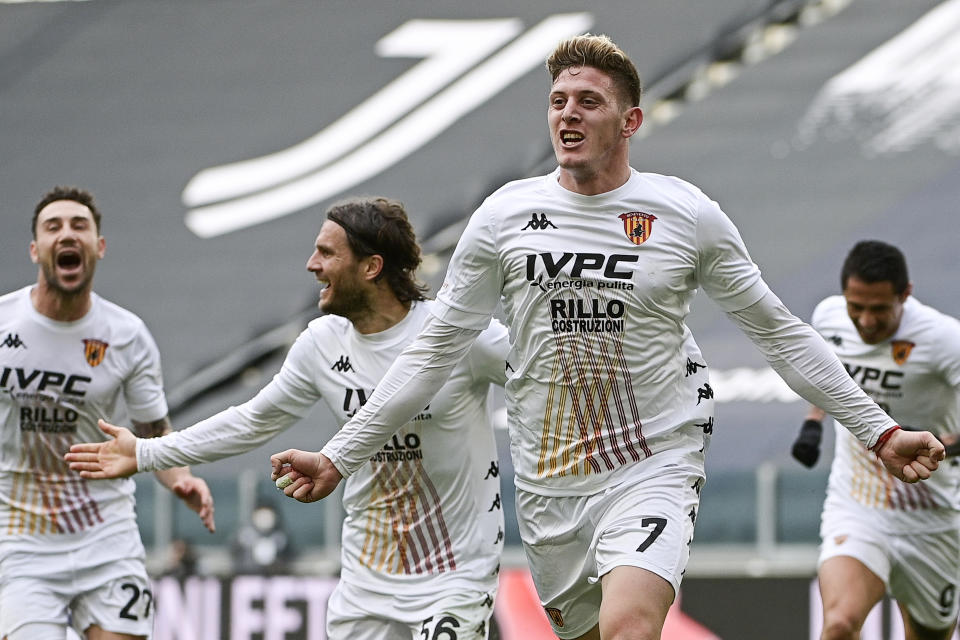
[56,380]
[595,290]
[424,514]
[915,377]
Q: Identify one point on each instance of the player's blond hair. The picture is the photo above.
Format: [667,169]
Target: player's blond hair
[599,52]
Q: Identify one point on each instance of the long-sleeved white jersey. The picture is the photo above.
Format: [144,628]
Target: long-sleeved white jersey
[915,377]
[595,291]
[56,380]
[424,512]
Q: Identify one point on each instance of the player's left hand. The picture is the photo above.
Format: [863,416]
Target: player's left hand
[196,494]
[911,455]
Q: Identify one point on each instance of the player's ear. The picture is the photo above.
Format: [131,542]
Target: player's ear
[632,120]
[906,292]
[374,266]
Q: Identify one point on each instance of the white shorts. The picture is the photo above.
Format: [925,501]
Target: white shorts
[646,522]
[354,613]
[116,596]
[921,570]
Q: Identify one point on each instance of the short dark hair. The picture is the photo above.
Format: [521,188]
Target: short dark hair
[875,261]
[379,226]
[599,52]
[75,194]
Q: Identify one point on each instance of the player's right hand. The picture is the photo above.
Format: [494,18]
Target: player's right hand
[114,458]
[314,476]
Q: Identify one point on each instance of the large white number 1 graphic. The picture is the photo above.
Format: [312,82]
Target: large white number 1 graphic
[386,127]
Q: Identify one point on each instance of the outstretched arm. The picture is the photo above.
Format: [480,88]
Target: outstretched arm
[233,431]
[805,362]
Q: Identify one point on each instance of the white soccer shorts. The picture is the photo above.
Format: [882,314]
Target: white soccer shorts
[646,522]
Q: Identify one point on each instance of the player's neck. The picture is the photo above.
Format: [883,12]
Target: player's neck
[386,312]
[592,182]
[58,305]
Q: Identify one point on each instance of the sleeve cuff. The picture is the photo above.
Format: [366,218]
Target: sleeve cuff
[883,439]
[335,460]
[143,457]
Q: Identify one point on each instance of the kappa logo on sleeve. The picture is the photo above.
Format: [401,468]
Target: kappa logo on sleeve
[94,351]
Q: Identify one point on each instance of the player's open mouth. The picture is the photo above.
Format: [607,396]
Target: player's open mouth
[571,137]
[69,260]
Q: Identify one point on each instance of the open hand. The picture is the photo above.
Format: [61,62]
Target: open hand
[114,458]
[196,494]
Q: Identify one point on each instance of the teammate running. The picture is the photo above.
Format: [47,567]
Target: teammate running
[424,527]
[880,535]
[71,550]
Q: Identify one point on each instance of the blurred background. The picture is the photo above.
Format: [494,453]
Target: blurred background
[215,133]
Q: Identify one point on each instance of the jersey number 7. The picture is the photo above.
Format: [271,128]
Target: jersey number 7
[659,524]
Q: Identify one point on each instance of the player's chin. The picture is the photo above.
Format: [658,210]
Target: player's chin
[70,285]
[569,160]
[326,300]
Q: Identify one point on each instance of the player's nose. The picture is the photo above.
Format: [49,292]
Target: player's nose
[867,320]
[570,112]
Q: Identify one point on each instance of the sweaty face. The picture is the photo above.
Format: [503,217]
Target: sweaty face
[874,308]
[67,246]
[334,264]
[587,122]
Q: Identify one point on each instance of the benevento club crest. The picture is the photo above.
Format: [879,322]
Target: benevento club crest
[555,616]
[901,350]
[638,226]
[94,350]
